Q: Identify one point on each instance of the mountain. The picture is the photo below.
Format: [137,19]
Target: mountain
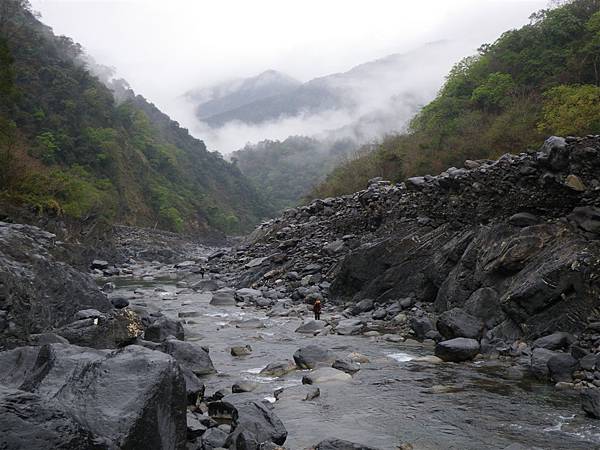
[69,149]
[363,90]
[538,80]
[232,95]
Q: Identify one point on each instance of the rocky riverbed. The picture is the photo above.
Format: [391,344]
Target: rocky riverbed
[460,311]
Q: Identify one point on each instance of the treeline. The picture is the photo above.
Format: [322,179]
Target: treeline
[67,147]
[539,80]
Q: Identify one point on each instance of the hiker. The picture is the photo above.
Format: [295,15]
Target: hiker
[202,270]
[317,309]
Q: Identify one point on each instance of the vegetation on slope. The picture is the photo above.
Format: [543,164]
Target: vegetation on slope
[67,147]
[285,171]
[541,79]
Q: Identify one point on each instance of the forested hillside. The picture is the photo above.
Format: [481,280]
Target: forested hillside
[67,147]
[539,80]
[285,171]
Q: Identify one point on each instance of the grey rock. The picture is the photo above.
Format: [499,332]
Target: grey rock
[163,327]
[190,355]
[325,375]
[313,356]
[340,444]
[457,349]
[457,323]
[121,397]
[555,341]
[561,367]
[590,402]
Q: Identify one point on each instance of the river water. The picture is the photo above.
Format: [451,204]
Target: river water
[392,399]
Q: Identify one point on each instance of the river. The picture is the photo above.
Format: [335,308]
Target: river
[392,399]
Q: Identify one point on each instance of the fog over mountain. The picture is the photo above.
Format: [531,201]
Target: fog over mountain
[363,103]
[167,49]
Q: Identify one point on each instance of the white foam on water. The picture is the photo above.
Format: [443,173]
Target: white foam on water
[271,399]
[217,314]
[400,357]
[256,370]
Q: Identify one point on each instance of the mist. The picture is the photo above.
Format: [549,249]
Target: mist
[164,49]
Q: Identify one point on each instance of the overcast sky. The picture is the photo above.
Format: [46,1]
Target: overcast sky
[166,47]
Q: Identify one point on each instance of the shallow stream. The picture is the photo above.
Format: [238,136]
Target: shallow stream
[392,399]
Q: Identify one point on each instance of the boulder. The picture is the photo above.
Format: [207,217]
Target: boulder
[195,427]
[587,218]
[539,362]
[523,219]
[555,341]
[340,444]
[163,327]
[561,367]
[313,356]
[311,327]
[246,414]
[241,350]
[249,324]
[223,297]
[363,306]
[457,349]
[590,402]
[39,292]
[243,386]
[99,264]
[58,396]
[349,326]
[304,393]
[112,330]
[484,304]
[379,314]
[278,369]
[457,323]
[190,355]
[214,438]
[346,365]
[248,294]
[421,326]
[325,375]
[119,302]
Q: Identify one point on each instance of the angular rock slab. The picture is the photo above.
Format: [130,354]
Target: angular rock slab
[313,356]
[248,415]
[129,398]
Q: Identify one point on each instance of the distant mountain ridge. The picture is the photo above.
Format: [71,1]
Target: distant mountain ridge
[232,95]
[362,90]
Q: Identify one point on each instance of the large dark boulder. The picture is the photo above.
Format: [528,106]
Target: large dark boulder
[484,304]
[590,402]
[111,330]
[457,349]
[163,327]
[38,292]
[457,323]
[555,341]
[539,362]
[313,356]
[421,326]
[190,355]
[561,367]
[250,416]
[129,398]
[30,421]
